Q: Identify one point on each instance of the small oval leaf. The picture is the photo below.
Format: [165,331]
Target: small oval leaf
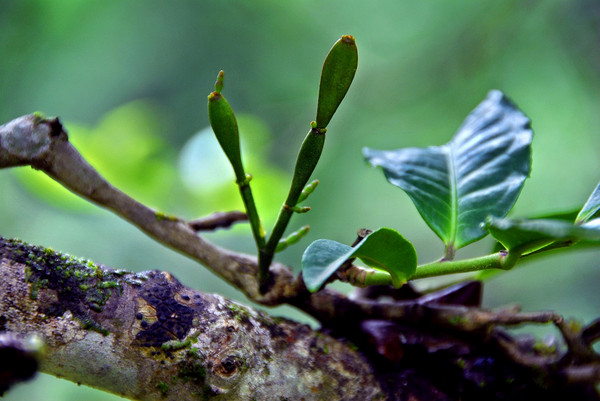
[337,75]
[383,249]
[321,259]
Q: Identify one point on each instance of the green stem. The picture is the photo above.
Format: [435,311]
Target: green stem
[224,124]
[362,277]
[449,252]
[309,155]
[493,261]
[503,260]
[257,230]
[266,253]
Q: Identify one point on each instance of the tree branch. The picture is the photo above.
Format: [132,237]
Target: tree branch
[145,336]
[43,144]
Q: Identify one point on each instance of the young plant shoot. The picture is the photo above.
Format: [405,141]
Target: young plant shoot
[224,124]
[463,190]
[337,75]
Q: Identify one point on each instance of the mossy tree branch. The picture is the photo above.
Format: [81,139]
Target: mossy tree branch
[145,336]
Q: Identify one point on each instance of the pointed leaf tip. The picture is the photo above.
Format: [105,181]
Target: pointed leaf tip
[479,173]
[219,82]
[591,207]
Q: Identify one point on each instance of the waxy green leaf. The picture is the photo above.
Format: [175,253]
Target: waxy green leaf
[566,217]
[591,207]
[383,249]
[479,173]
[224,125]
[530,235]
[337,75]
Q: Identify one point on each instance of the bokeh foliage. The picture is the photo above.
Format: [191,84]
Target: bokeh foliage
[130,81]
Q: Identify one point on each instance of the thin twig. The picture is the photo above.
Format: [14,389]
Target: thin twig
[218,220]
[43,144]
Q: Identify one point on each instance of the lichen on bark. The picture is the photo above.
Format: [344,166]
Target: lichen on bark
[146,336]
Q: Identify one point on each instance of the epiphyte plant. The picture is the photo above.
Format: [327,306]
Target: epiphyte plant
[338,72]
[463,190]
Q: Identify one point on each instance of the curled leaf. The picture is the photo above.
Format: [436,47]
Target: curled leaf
[384,249]
[529,235]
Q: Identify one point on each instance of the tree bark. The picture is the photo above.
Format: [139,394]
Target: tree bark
[145,336]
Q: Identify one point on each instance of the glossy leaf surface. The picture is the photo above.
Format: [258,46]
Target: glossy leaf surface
[224,124]
[479,173]
[383,249]
[513,233]
[566,217]
[591,207]
[337,75]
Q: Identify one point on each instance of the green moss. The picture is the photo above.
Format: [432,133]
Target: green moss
[163,388]
[175,345]
[80,285]
[458,321]
[33,294]
[191,370]
[542,348]
[164,216]
[239,313]
[90,324]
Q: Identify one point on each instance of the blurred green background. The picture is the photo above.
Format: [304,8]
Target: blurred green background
[130,79]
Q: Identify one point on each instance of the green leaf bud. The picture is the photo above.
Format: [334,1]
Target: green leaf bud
[299,209]
[292,238]
[309,189]
[219,83]
[337,75]
[224,125]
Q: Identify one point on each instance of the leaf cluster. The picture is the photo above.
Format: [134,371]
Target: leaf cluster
[463,190]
